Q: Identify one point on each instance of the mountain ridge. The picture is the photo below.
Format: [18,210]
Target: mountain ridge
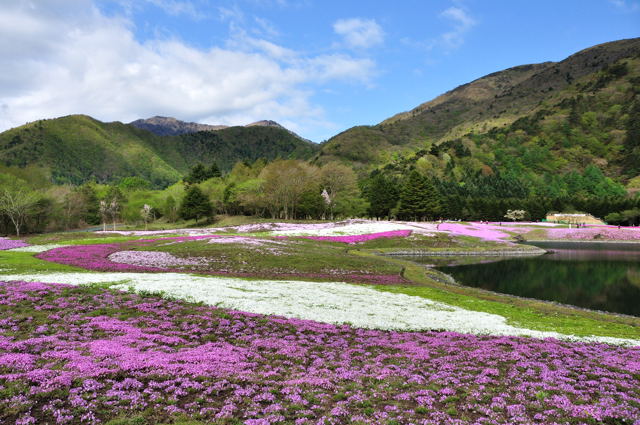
[493,101]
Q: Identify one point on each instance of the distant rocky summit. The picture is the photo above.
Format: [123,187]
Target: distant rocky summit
[168,126]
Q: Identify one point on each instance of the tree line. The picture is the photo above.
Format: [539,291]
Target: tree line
[294,189]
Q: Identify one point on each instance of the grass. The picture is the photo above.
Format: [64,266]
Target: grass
[25,262]
[283,256]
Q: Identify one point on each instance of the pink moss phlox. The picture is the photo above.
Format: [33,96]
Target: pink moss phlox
[478,230]
[596,232]
[6,243]
[352,239]
[102,354]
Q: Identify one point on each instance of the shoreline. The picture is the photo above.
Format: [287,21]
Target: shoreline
[497,253]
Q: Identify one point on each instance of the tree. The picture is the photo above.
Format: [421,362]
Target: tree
[337,180]
[419,199]
[90,203]
[195,204]
[17,201]
[112,205]
[197,174]
[214,171]
[382,193]
[515,215]
[146,212]
[285,181]
[170,209]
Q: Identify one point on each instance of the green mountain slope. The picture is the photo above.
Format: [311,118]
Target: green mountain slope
[511,116]
[78,148]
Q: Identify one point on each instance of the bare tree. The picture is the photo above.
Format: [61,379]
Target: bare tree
[336,179]
[17,202]
[147,214]
[104,214]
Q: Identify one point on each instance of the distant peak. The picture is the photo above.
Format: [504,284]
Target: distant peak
[264,123]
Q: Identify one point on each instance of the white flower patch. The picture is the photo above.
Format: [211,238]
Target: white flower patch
[356,227]
[328,302]
[37,248]
[155,259]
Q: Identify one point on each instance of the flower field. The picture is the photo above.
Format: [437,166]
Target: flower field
[295,323]
[6,243]
[86,355]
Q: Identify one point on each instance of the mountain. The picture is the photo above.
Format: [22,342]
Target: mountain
[167,126]
[78,148]
[484,118]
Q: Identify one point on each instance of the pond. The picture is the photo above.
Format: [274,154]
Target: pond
[600,276]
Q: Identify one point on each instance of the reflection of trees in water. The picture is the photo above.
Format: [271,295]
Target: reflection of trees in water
[603,285]
[633,275]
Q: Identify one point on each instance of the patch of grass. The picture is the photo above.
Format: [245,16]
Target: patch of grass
[289,256]
[25,262]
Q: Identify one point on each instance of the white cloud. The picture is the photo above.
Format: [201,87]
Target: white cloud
[462,23]
[359,33]
[64,57]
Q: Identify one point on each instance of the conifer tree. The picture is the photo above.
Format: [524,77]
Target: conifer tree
[419,199]
[214,171]
[195,204]
[382,194]
[197,174]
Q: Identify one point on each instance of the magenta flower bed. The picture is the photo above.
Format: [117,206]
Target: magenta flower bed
[6,243]
[595,233]
[351,239]
[87,355]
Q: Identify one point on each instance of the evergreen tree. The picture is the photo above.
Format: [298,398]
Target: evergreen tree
[214,171]
[632,142]
[197,174]
[195,204]
[419,199]
[382,194]
[90,204]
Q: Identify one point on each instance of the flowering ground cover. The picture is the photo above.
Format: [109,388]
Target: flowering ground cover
[596,233]
[352,239]
[86,355]
[6,243]
[488,232]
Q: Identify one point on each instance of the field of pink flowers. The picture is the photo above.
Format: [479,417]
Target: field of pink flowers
[6,243]
[85,355]
[596,233]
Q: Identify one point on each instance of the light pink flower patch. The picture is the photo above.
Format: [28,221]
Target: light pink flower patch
[6,243]
[487,232]
[596,232]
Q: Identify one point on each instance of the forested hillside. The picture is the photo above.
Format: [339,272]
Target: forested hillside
[543,119]
[78,148]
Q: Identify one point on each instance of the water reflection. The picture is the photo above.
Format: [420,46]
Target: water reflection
[602,277]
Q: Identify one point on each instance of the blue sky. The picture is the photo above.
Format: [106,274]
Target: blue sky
[317,67]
